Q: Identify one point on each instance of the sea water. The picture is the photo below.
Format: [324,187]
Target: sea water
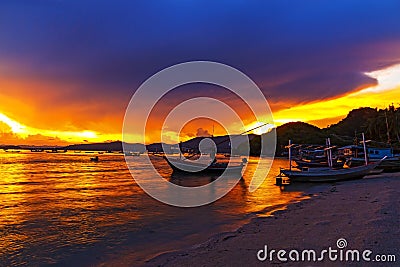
[63,209]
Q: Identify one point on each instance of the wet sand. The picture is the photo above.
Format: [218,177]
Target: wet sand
[363,212]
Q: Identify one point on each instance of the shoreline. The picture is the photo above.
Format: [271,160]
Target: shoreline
[223,234]
[364,212]
[133,258]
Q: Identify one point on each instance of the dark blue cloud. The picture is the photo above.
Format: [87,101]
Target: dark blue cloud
[295,50]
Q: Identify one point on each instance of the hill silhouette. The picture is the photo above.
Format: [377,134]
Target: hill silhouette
[356,121]
[299,133]
[109,146]
[366,120]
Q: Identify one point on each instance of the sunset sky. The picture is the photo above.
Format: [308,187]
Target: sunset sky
[69,68]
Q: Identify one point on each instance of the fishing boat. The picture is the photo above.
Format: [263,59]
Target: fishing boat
[373,154]
[189,166]
[316,157]
[328,174]
[390,164]
[183,164]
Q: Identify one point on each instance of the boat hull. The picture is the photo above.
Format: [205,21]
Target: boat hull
[329,175]
[315,164]
[185,166]
[387,165]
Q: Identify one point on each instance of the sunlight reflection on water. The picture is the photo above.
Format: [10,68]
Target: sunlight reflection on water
[63,208]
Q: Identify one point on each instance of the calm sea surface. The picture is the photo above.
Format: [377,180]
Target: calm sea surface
[63,209]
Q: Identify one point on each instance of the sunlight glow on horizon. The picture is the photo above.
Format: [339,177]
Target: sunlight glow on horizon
[15,126]
[24,132]
[262,130]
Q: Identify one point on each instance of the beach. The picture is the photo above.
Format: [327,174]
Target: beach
[364,214]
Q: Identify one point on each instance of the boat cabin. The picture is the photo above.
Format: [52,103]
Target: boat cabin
[358,151]
[312,154]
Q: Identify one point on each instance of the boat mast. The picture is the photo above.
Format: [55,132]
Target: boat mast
[356,144]
[387,128]
[330,153]
[396,125]
[365,150]
[327,152]
[290,155]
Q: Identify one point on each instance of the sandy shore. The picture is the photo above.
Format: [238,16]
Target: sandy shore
[366,213]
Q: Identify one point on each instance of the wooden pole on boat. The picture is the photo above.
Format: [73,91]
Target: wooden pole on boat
[387,130]
[365,149]
[330,153]
[327,152]
[290,155]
